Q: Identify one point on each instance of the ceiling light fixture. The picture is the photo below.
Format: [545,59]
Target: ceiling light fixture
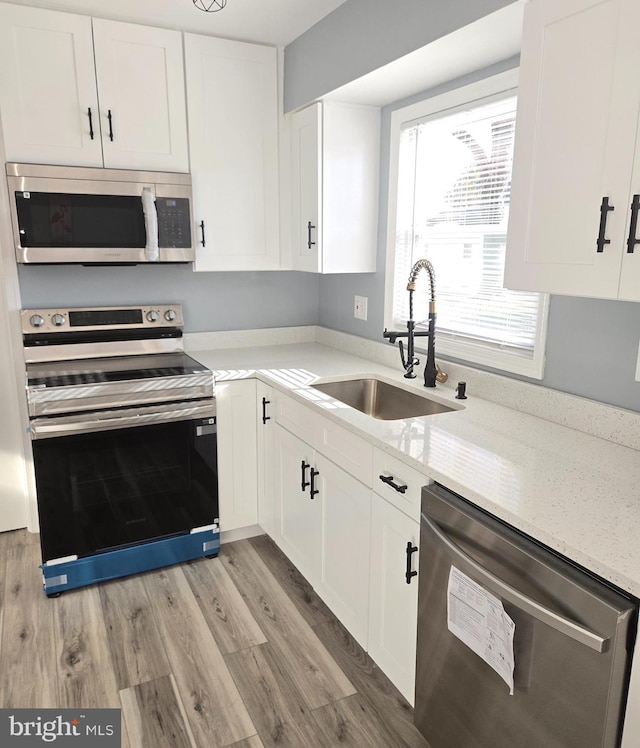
[210,6]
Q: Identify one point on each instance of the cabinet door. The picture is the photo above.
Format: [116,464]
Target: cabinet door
[344,532]
[350,192]
[393,608]
[140,77]
[298,514]
[237,452]
[48,87]
[233,137]
[630,273]
[578,107]
[306,189]
[265,425]
[335,151]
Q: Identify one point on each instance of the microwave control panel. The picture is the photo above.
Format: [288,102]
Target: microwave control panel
[174,222]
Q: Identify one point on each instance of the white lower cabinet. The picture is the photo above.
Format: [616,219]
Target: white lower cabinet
[297,514]
[237,449]
[323,517]
[264,426]
[345,526]
[393,603]
[351,544]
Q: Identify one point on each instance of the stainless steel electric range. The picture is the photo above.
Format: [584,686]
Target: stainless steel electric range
[123,428]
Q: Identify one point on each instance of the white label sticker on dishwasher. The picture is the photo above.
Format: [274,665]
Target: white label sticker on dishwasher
[478,619]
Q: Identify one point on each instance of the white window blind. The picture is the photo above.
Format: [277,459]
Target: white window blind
[454,177]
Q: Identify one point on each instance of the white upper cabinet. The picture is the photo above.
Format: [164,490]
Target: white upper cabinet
[114,97]
[576,176]
[233,135]
[141,89]
[48,98]
[334,188]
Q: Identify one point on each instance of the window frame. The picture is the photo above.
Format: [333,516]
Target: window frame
[473,351]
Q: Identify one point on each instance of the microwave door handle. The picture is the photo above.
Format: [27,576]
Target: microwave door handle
[151,251]
[507,592]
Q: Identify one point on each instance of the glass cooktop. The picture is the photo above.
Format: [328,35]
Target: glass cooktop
[109,370]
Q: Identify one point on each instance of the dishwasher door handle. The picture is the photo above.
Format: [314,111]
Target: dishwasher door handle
[536,610]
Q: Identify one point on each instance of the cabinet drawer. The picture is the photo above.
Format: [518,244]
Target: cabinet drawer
[350,452]
[402,489]
[295,417]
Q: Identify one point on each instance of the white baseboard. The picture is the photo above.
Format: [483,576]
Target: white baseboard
[240,533]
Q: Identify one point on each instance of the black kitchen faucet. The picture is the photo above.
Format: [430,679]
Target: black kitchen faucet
[430,369]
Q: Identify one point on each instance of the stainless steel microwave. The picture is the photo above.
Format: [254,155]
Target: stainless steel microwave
[70,214]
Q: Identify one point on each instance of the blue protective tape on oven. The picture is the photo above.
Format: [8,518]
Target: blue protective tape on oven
[125,561]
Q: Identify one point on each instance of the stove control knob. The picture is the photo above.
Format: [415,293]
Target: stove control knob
[36,320]
[58,320]
[152,315]
[170,315]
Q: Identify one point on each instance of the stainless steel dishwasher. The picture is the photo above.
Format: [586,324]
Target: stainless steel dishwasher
[571,638]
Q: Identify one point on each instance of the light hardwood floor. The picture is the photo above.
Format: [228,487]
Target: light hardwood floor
[236,650]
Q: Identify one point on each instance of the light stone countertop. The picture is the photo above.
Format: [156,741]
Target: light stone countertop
[574,492]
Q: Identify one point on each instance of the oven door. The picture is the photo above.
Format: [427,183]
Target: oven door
[121,478]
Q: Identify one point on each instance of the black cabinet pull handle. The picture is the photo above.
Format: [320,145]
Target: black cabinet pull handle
[388,479]
[309,242]
[304,482]
[633,227]
[411,549]
[314,490]
[202,229]
[265,417]
[110,124]
[604,210]
[90,123]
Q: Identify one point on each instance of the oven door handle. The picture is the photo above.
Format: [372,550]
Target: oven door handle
[48,428]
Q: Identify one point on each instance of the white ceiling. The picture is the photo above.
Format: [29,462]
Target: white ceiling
[275,22]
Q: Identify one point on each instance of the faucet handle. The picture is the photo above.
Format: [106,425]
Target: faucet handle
[441,376]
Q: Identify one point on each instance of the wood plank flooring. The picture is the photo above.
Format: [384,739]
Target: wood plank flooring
[232,651]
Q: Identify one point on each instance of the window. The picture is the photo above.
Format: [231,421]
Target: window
[450,179]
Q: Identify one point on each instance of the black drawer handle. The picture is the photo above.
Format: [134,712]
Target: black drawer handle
[388,479]
[314,490]
[110,124]
[202,229]
[303,481]
[265,417]
[411,549]
[633,227]
[604,210]
[309,242]
[90,123]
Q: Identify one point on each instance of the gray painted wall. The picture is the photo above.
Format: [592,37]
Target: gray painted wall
[592,345]
[211,301]
[362,35]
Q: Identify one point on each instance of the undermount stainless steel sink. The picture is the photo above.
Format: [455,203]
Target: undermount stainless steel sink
[382,400]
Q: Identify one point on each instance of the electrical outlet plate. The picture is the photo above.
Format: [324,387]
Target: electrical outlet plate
[360,307]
